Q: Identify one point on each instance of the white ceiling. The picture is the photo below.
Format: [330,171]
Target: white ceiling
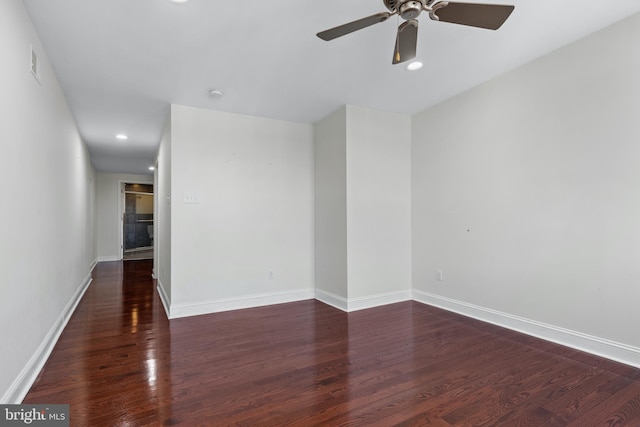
[121,63]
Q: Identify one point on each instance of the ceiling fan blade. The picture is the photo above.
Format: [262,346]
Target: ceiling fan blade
[350,27]
[489,16]
[406,41]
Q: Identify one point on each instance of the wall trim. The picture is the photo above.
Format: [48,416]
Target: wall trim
[20,387]
[362,303]
[166,302]
[332,299]
[249,301]
[612,350]
[109,258]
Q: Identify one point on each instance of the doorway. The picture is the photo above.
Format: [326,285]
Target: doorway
[137,222]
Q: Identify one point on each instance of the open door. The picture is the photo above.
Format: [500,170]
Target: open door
[137,222]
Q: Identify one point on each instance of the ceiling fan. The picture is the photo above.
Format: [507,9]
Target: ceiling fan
[489,16]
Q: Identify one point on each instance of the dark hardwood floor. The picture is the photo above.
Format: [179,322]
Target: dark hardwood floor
[120,362]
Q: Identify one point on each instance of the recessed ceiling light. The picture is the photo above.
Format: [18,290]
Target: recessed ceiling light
[216,93]
[122,136]
[415,65]
[151,168]
[178,1]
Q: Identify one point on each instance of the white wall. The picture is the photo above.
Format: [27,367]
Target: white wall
[363,208]
[109,205]
[253,179]
[47,219]
[162,220]
[526,194]
[378,204]
[330,158]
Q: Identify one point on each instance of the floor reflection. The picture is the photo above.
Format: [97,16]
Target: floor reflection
[120,362]
[106,362]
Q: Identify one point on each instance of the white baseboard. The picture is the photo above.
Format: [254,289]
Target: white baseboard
[332,299]
[250,301]
[377,300]
[20,387]
[362,303]
[166,302]
[108,258]
[618,352]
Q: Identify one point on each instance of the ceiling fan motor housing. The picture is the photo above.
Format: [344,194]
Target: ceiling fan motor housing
[407,9]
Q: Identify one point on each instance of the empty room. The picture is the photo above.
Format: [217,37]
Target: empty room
[356,213]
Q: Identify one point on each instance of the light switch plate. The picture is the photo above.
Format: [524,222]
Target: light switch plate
[191,198]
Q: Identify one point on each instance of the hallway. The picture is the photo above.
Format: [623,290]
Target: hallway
[104,363]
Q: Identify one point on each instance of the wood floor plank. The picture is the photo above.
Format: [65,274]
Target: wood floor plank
[121,362]
[620,409]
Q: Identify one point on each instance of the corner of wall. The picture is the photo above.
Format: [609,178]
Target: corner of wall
[164,298]
[615,351]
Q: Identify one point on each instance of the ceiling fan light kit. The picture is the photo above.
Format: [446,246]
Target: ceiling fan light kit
[480,15]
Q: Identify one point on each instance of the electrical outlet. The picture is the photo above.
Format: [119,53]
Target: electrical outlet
[439,275]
